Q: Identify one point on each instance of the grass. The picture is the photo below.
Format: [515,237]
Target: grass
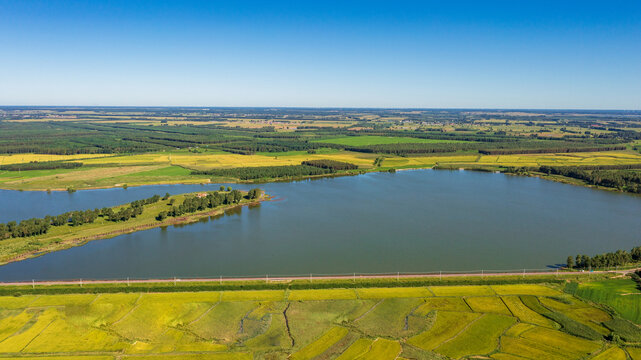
[491,304]
[256,295]
[321,344]
[525,314]
[470,290]
[221,321]
[612,293]
[624,329]
[447,304]
[447,325]
[382,349]
[308,320]
[391,318]
[635,352]
[304,324]
[561,341]
[385,293]
[568,324]
[333,294]
[480,338]
[613,353]
[525,289]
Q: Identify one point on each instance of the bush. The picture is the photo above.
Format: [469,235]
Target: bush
[625,329]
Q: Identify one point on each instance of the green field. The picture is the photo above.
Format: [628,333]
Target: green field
[622,295]
[417,322]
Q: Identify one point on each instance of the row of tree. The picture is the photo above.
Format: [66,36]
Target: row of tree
[41,165]
[611,259]
[39,226]
[624,180]
[550,150]
[265,172]
[330,164]
[212,200]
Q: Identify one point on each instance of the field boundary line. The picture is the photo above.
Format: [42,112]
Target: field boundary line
[370,310]
[136,305]
[462,330]
[203,314]
[39,333]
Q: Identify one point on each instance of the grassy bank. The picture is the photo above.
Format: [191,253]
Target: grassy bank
[66,236]
[176,285]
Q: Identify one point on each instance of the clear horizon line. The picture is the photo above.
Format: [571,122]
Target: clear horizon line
[319,107]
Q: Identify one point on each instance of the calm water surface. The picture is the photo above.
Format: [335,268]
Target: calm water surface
[422,220]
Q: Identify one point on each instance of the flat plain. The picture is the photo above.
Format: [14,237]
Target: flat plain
[433,322]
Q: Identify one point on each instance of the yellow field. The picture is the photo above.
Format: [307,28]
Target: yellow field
[368,323]
[25,158]
[333,294]
[490,304]
[384,293]
[465,290]
[175,166]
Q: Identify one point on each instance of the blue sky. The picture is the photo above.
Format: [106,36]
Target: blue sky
[454,54]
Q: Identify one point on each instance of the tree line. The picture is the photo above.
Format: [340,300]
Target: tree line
[265,172]
[610,259]
[39,226]
[550,150]
[624,180]
[330,164]
[212,200]
[41,165]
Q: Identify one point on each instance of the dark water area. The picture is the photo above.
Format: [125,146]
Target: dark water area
[411,221]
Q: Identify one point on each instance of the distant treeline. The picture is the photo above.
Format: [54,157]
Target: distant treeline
[265,172]
[413,148]
[212,200]
[38,226]
[330,164]
[70,137]
[41,165]
[618,258]
[550,150]
[496,147]
[251,147]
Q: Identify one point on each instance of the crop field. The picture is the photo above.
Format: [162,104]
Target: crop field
[457,321]
[110,170]
[622,295]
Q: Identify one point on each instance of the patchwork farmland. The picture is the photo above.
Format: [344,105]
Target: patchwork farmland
[504,322]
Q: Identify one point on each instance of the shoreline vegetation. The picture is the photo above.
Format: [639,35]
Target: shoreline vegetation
[582,179]
[91,148]
[36,237]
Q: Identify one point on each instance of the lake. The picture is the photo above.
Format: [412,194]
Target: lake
[410,221]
